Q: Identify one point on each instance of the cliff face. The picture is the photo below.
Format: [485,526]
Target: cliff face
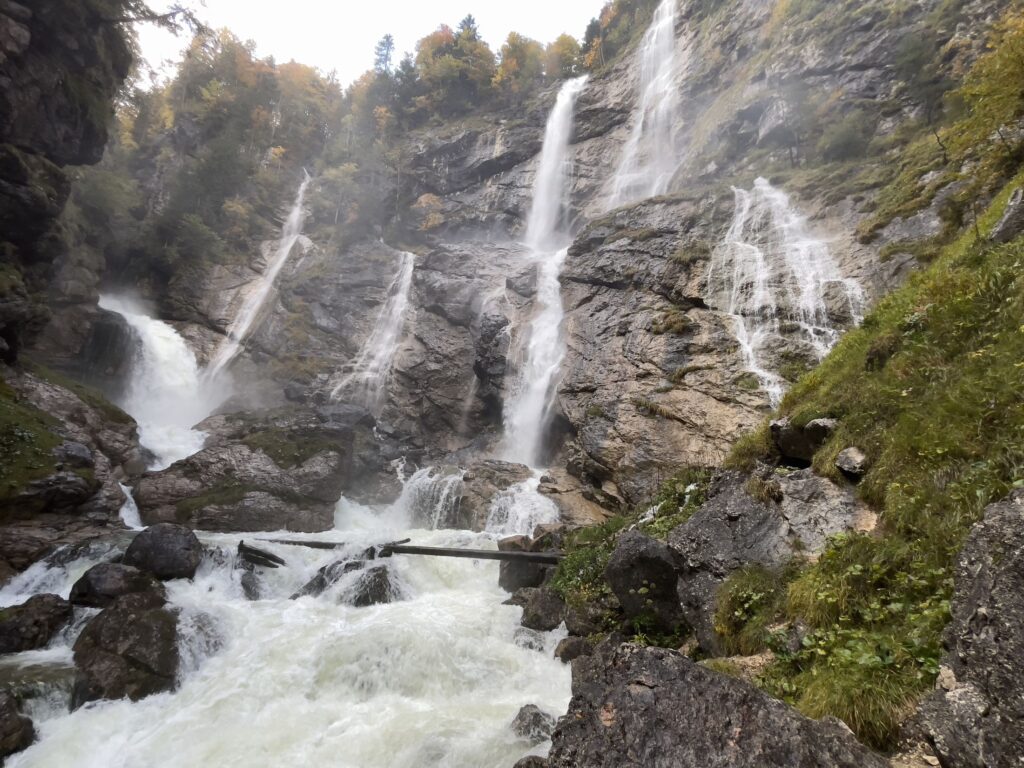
[60,66]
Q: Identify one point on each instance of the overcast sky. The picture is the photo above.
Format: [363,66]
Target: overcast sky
[340,34]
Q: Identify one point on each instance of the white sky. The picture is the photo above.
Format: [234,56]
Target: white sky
[340,34]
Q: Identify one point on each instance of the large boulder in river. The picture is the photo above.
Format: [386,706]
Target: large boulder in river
[373,587]
[32,624]
[166,550]
[543,610]
[654,708]
[16,730]
[975,719]
[756,521]
[102,584]
[533,724]
[129,650]
[481,484]
[642,573]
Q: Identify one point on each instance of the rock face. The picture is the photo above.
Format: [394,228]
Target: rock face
[102,584]
[642,573]
[543,610]
[61,71]
[655,708]
[129,650]
[16,730]
[533,724]
[33,624]
[165,550]
[976,717]
[801,443]
[285,470]
[734,529]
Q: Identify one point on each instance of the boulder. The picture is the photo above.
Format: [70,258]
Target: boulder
[532,761]
[1012,222]
[16,730]
[482,482]
[654,708]
[327,577]
[515,575]
[572,647]
[734,529]
[166,550]
[543,611]
[642,573]
[852,462]
[129,650]
[975,718]
[33,624]
[373,587]
[102,584]
[801,443]
[533,724]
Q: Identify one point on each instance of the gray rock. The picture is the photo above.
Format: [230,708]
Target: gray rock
[533,724]
[129,650]
[327,577]
[544,610]
[642,573]
[102,584]
[515,575]
[531,761]
[654,708]
[852,462]
[16,730]
[733,530]
[801,443]
[572,647]
[33,624]
[373,587]
[166,550]
[1012,222]
[975,719]
[482,483]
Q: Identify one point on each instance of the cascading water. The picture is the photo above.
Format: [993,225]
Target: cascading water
[649,157]
[371,370]
[257,298]
[528,407]
[769,270]
[166,394]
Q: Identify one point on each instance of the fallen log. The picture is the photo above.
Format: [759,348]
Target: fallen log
[404,548]
[259,556]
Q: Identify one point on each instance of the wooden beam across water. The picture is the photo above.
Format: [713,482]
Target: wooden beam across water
[404,548]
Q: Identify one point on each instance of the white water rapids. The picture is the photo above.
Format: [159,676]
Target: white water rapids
[433,679]
[769,270]
[649,157]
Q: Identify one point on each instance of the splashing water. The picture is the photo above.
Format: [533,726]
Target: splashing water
[129,512]
[371,370]
[257,298]
[531,398]
[431,496]
[521,508]
[770,270]
[165,394]
[649,157]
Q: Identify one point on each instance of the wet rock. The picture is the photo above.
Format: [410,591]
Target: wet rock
[655,708]
[102,584]
[642,573]
[530,639]
[482,482]
[975,718]
[16,730]
[515,575]
[129,650]
[572,647]
[533,724]
[33,624]
[801,443]
[166,550]
[733,529]
[852,462]
[531,761]
[373,587]
[544,610]
[327,577]
[252,586]
[589,618]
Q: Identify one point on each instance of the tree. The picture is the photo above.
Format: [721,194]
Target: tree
[468,28]
[456,69]
[562,58]
[522,66]
[383,53]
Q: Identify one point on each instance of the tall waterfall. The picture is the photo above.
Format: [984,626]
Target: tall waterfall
[165,394]
[371,369]
[528,407]
[768,272]
[257,298]
[649,157]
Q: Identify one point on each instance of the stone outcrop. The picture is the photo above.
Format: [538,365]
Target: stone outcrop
[102,584]
[166,550]
[16,730]
[642,573]
[533,724]
[655,708]
[975,718]
[789,513]
[33,624]
[129,650]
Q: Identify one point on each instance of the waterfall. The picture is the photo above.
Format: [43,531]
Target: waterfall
[129,512]
[528,406]
[770,272]
[257,297]
[649,157]
[165,394]
[371,369]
